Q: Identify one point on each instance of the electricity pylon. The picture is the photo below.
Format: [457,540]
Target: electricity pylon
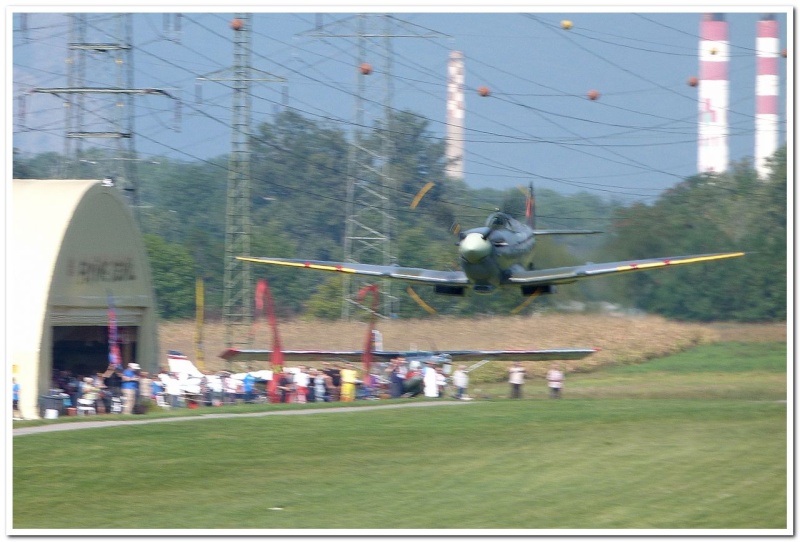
[101,45]
[237,310]
[370,212]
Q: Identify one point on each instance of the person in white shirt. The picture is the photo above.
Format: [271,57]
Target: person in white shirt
[461,381]
[301,381]
[429,381]
[441,381]
[516,377]
[231,386]
[174,390]
[555,381]
[215,383]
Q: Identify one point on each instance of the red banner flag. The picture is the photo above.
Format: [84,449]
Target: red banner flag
[276,357]
[369,346]
[114,357]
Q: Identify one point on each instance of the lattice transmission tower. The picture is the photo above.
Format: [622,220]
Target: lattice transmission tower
[237,310]
[99,96]
[370,210]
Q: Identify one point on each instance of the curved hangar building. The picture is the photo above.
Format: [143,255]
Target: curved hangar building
[74,252]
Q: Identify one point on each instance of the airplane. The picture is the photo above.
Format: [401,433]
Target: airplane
[279,355]
[498,254]
[414,358]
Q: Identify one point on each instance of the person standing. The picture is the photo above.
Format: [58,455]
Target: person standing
[157,389]
[555,381]
[217,391]
[229,386]
[301,381]
[335,374]
[430,380]
[15,389]
[441,381]
[104,399]
[89,391]
[130,387]
[320,390]
[114,381]
[248,383]
[461,381]
[145,386]
[396,378]
[516,377]
[285,385]
[205,389]
[349,378]
[174,390]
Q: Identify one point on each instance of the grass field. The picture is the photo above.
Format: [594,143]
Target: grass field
[692,441]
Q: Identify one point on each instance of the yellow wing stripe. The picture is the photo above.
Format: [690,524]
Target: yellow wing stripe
[663,263]
[306,265]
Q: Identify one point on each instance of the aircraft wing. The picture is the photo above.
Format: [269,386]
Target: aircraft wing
[551,354]
[408,274]
[566,232]
[564,275]
[237,354]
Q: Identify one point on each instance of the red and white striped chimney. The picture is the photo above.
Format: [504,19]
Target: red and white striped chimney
[767,85]
[454,145]
[713,89]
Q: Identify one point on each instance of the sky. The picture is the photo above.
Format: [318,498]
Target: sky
[536,125]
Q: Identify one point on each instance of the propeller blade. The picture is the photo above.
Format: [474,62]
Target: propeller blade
[527,302]
[410,291]
[424,190]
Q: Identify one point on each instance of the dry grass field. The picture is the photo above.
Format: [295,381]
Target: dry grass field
[621,339]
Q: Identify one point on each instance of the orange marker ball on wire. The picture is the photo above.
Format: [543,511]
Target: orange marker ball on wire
[593,94]
[484,91]
[692,81]
[366,68]
[237,24]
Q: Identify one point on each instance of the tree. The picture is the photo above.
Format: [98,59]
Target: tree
[728,212]
[173,277]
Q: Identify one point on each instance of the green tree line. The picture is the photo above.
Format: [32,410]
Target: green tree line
[298,198]
[734,211]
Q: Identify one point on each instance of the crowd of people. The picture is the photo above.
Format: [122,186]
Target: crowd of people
[115,390]
[125,390]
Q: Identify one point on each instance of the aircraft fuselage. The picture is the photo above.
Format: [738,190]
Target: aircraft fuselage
[488,254]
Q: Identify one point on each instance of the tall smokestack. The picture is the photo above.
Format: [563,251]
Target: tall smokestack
[712,152]
[454,151]
[767,85]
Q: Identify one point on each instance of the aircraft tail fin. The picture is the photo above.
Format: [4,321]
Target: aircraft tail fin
[530,219]
[530,208]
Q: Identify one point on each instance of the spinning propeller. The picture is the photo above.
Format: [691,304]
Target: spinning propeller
[475,245]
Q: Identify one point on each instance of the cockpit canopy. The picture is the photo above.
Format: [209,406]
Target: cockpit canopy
[497,220]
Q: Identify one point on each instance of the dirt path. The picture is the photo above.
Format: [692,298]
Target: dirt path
[91,425]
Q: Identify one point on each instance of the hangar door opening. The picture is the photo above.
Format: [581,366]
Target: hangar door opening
[80,338]
[83,350]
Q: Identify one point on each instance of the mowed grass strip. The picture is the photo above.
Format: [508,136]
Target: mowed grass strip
[702,462]
[746,371]
[572,464]
[743,371]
